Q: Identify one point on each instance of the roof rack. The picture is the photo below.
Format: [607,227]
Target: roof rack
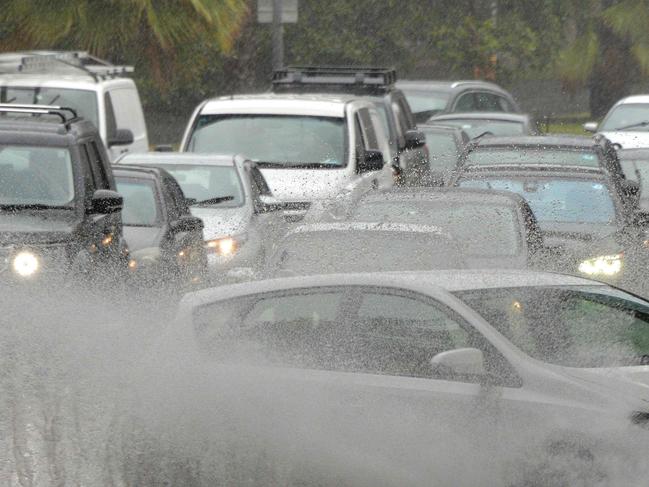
[63,62]
[61,112]
[356,79]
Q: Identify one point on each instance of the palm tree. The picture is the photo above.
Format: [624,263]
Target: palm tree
[152,30]
[609,52]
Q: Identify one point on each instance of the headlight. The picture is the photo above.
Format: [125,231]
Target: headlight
[223,246]
[25,263]
[604,265]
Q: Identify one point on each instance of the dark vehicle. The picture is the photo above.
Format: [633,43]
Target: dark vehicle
[586,226]
[635,164]
[60,214]
[164,239]
[493,228]
[428,98]
[407,145]
[445,146]
[487,123]
[548,152]
[337,247]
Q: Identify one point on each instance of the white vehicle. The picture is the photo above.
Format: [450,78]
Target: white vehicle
[626,123]
[95,89]
[308,147]
[417,372]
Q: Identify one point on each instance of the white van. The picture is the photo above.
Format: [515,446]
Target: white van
[96,89]
[308,147]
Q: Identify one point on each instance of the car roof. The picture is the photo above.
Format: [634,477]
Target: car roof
[630,154]
[634,99]
[176,158]
[447,85]
[450,195]
[288,104]
[452,280]
[539,141]
[355,226]
[515,117]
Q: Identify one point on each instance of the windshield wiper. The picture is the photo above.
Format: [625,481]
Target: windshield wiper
[32,206]
[211,201]
[634,125]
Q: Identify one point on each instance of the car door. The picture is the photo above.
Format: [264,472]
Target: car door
[365,382]
[123,112]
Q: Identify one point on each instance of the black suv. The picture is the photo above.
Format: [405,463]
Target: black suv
[407,145]
[60,215]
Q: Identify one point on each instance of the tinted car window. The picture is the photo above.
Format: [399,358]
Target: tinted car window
[36,175]
[560,200]
[426,101]
[277,139]
[202,182]
[530,155]
[466,103]
[570,326]
[487,102]
[140,202]
[481,229]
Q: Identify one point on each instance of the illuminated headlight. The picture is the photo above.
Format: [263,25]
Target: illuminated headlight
[223,246]
[25,263]
[604,265]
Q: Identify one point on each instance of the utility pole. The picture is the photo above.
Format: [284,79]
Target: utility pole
[278,35]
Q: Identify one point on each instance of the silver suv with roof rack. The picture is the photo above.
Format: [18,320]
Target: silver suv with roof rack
[308,147]
[96,89]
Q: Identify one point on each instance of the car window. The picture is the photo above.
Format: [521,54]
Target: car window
[36,175]
[505,105]
[487,102]
[126,117]
[369,135]
[638,170]
[97,167]
[111,122]
[556,200]
[426,101]
[466,103]
[632,115]
[278,140]
[140,202]
[400,118]
[202,182]
[443,151]
[574,326]
[492,156]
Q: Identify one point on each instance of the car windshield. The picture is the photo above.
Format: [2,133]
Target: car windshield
[573,326]
[557,200]
[443,150]
[202,182]
[140,202]
[332,251]
[632,115]
[494,156]
[36,176]
[476,126]
[83,101]
[290,141]
[426,101]
[481,229]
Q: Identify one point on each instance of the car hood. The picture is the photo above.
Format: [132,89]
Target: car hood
[305,184]
[138,238]
[628,139]
[223,222]
[38,227]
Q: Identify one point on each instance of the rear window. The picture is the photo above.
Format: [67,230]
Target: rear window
[532,156]
[140,202]
[278,140]
[475,127]
[443,151]
[426,101]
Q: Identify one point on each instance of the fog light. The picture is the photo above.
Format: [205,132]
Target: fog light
[25,264]
[604,265]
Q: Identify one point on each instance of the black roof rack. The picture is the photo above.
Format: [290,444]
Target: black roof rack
[60,62]
[340,79]
[62,112]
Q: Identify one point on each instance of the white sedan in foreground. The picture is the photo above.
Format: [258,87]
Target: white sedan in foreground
[458,377]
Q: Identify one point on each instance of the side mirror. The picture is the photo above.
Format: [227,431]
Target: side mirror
[461,361]
[164,148]
[106,201]
[590,127]
[121,137]
[414,139]
[372,161]
[187,224]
